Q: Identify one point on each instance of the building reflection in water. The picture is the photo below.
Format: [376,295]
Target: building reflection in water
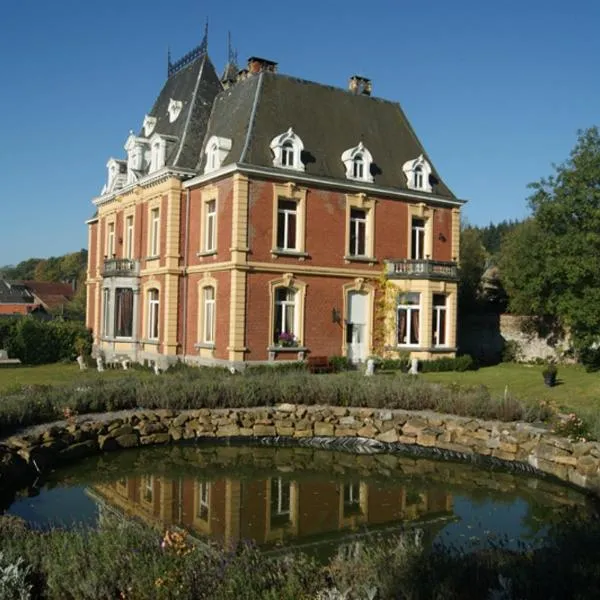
[275,510]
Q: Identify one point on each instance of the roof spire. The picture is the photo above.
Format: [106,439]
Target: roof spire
[204,42]
[231,53]
[231,68]
[169,64]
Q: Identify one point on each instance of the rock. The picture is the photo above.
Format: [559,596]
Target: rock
[246,431]
[76,451]
[428,436]
[286,407]
[263,430]
[115,424]
[348,421]
[107,443]
[581,448]
[414,426]
[344,432]
[228,430]
[122,430]
[284,431]
[129,440]
[587,465]
[566,460]
[407,439]
[176,433]
[339,411]
[181,419]
[368,431]
[302,433]
[155,438]
[150,428]
[389,436]
[384,415]
[323,429]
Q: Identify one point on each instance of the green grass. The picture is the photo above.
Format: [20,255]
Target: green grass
[576,390]
[53,374]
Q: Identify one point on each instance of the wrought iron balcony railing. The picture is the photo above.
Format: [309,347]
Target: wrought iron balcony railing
[405,268]
[121,267]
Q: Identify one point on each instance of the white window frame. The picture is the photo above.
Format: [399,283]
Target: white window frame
[350,158]
[208,314]
[110,239]
[414,182]
[210,225]
[203,499]
[281,156]
[147,491]
[355,227]
[409,308]
[279,509]
[153,314]
[437,320]
[287,213]
[418,238]
[106,313]
[129,238]
[154,232]
[216,151]
[281,307]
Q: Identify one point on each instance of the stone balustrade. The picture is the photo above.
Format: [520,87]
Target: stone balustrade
[517,446]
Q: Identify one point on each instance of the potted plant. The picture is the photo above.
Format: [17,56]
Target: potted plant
[549,374]
[287,340]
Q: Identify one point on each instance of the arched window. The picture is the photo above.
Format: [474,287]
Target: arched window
[417,172]
[153,314]
[216,150]
[284,326]
[287,151]
[358,162]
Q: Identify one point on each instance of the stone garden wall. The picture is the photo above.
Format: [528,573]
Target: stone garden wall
[514,445]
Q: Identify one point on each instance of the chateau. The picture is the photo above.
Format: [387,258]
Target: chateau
[262,217]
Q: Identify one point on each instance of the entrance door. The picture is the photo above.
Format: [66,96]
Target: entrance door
[356,327]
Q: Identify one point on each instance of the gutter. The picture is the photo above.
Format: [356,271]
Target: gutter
[186,238]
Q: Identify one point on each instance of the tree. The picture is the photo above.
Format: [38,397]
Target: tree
[551,263]
[472,266]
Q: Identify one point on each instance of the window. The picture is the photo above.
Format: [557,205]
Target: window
[216,150]
[147,488]
[203,500]
[408,319]
[208,325]
[154,231]
[438,333]
[287,151]
[358,232]
[129,237]
[123,312]
[358,167]
[110,240]
[153,314]
[280,502]
[417,172]
[157,153]
[358,161]
[210,226]
[351,499]
[106,312]
[284,328]
[287,220]
[287,155]
[417,247]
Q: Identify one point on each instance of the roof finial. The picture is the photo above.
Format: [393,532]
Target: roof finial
[204,43]
[169,65]
[231,53]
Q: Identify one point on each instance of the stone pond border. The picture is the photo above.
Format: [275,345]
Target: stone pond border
[515,446]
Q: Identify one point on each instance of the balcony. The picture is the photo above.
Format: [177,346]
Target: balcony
[121,267]
[405,268]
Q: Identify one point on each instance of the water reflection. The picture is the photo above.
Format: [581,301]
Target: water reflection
[297,497]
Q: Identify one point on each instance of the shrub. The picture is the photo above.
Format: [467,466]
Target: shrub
[460,363]
[13,579]
[341,363]
[511,351]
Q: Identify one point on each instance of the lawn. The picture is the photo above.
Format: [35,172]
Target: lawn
[576,390]
[53,374]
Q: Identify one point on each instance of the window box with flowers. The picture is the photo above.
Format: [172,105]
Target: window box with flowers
[287,340]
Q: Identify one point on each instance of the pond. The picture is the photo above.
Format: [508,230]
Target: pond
[282,498]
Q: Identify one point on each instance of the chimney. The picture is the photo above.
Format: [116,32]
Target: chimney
[256,65]
[360,85]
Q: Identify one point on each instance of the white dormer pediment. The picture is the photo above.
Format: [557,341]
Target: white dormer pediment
[216,150]
[174,109]
[138,157]
[358,161]
[287,151]
[149,125]
[417,172]
[116,175]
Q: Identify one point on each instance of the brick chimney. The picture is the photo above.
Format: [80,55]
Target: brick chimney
[360,85]
[256,65]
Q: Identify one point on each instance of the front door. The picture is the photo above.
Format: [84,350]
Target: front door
[356,327]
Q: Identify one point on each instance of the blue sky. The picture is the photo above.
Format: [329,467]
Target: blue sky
[496,91]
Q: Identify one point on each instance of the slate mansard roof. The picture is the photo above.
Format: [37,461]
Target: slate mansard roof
[196,86]
[329,121]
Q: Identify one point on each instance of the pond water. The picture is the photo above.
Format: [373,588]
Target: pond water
[304,498]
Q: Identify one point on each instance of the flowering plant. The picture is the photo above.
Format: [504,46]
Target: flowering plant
[287,339]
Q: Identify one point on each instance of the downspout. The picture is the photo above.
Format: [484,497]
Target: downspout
[185,273]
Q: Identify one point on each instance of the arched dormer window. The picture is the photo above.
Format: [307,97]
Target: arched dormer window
[216,151]
[358,162]
[417,172]
[287,150]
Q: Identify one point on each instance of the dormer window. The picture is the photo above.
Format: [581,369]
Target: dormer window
[358,162]
[117,175]
[217,149]
[287,150]
[137,157]
[158,151]
[417,174]
[149,125]
[174,109]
